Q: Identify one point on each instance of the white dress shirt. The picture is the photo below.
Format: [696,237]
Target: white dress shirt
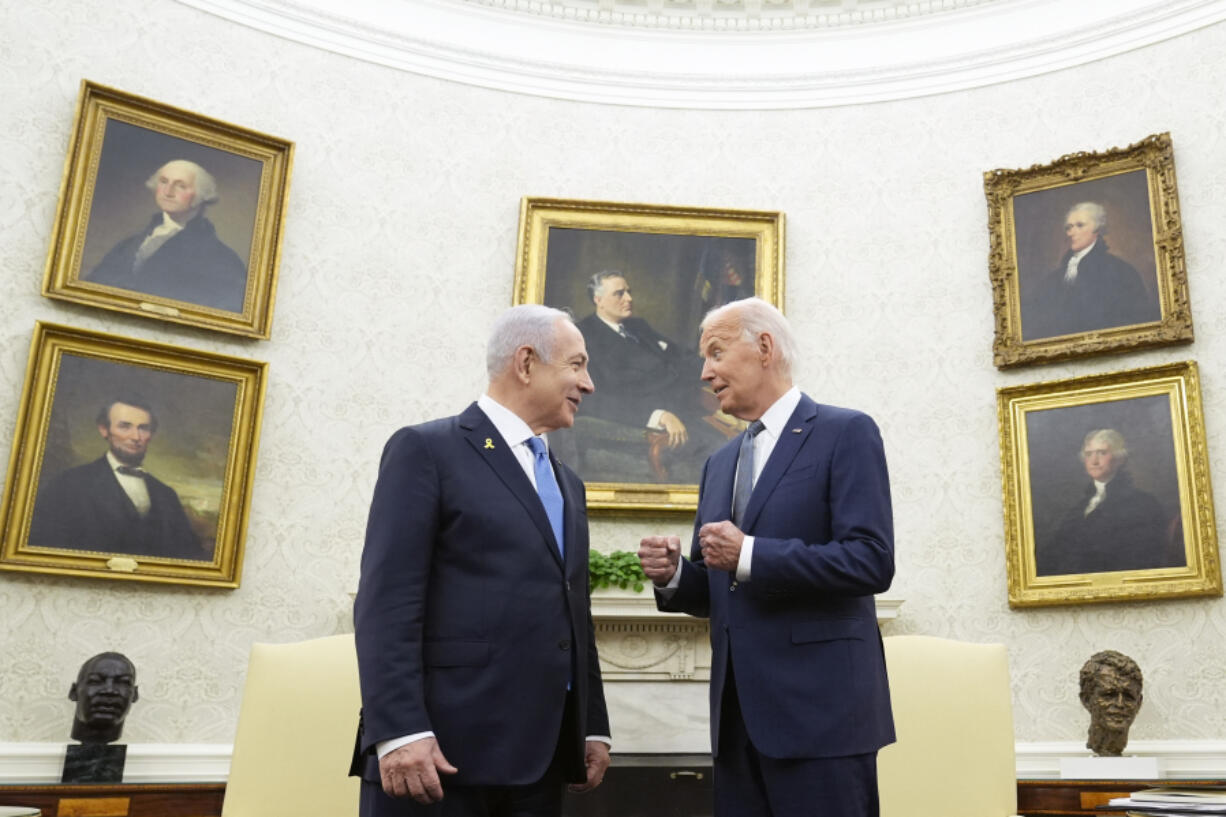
[1070,272]
[135,487]
[774,422]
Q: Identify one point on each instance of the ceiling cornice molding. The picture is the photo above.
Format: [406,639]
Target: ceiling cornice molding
[537,54]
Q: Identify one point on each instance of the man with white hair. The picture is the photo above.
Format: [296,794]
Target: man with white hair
[794,535]
[481,689]
[1090,289]
[178,255]
[1113,525]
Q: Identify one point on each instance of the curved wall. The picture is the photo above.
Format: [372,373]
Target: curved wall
[399,252]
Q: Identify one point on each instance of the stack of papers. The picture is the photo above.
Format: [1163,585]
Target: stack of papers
[1175,802]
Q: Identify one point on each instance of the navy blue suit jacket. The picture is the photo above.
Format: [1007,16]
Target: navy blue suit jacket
[802,633]
[468,622]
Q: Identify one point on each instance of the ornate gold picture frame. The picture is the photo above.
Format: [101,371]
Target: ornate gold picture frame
[1106,489]
[1086,255]
[131,460]
[640,440]
[169,214]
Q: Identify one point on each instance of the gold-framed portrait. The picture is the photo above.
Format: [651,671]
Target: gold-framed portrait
[131,460]
[1106,488]
[169,214]
[1086,255]
[639,278]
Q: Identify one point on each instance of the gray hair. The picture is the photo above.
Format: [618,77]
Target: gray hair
[524,325]
[1096,212]
[1114,440]
[206,185]
[756,317]
[596,282]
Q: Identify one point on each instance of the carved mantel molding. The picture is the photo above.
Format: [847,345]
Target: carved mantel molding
[639,643]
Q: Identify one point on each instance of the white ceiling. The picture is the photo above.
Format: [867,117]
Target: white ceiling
[725,54]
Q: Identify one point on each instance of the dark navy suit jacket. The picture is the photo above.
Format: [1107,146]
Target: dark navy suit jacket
[468,622]
[802,633]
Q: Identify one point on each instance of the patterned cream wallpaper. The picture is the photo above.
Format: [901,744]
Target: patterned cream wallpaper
[399,252]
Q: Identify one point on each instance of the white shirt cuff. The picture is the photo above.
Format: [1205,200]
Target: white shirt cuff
[654,420]
[745,560]
[384,747]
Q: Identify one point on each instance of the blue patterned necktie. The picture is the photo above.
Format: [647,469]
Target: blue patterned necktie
[744,472]
[547,487]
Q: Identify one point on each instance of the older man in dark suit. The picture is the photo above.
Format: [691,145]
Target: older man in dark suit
[481,687]
[647,380]
[178,255]
[1113,525]
[1091,289]
[114,505]
[794,535]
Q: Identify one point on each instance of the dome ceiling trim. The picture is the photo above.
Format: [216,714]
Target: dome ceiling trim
[965,44]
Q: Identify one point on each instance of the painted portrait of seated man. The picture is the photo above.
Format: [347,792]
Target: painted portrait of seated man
[647,381]
[178,254]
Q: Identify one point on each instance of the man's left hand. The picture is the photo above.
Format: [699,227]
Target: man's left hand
[596,758]
[721,545]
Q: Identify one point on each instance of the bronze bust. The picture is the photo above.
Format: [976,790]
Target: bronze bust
[1111,691]
[104,691]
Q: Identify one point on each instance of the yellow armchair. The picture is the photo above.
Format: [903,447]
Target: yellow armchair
[295,732]
[953,715]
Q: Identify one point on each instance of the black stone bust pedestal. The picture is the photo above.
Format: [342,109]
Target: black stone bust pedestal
[94,763]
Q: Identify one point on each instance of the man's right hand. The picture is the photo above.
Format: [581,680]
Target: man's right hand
[659,556]
[677,435]
[412,771]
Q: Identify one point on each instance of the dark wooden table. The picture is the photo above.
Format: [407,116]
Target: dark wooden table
[1070,797]
[119,799]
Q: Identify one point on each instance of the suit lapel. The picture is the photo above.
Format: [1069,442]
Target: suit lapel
[489,445]
[799,427]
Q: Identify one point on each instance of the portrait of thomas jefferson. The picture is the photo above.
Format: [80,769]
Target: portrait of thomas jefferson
[1111,524]
[171,219]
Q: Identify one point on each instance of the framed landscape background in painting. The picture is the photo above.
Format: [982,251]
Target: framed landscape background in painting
[169,214]
[1086,255]
[131,460]
[640,440]
[1106,488]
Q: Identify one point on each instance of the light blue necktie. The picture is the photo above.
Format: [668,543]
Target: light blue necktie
[547,487]
[744,473]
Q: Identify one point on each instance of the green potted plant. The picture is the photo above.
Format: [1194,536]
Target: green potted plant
[619,569]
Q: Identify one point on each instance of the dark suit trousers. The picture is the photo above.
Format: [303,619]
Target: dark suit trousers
[749,784]
[540,799]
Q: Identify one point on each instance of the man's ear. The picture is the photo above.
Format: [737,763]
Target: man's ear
[525,357]
[766,346]
[103,431]
[72,692]
[135,694]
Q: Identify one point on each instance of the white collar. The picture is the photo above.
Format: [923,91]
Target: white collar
[777,416]
[1080,254]
[511,427]
[616,327]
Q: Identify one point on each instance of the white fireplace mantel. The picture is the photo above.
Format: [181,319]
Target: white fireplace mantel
[639,643]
